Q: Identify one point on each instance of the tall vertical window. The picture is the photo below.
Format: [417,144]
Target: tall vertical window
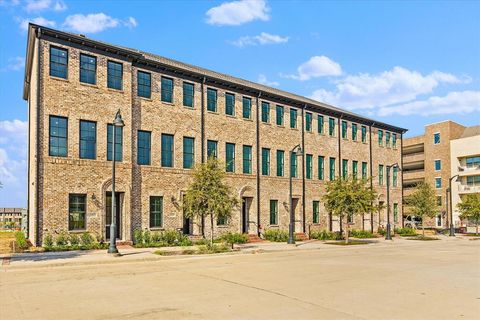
[364,170]
[188,94]
[280,163]
[88,139]
[156,212]
[265,161]
[438,165]
[395,176]
[438,183]
[316,211]
[394,140]
[321,167]
[58,139]
[320,127]
[167,90]
[332,169]
[246,108]
[387,139]
[344,168]
[309,166]
[293,165]
[344,129]
[230,104]
[364,134]
[230,157]
[211,100]
[188,152]
[279,115]
[167,150]
[77,208]
[114,75]
[144,84]
[247,159]
[436,138]
[308,121]
[273,212]
[293,118]
[265,112]
[331,127]
[212,148]
[354,131]
[380,174]
[118,142]
[380,137]
[395,212]
[355,169]
[88,69]
[144,145]
[58,62]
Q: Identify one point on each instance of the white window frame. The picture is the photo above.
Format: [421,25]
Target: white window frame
[436,182]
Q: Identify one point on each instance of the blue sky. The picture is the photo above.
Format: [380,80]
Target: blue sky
[405,63]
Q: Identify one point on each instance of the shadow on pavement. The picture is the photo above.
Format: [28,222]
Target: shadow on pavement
[46,256]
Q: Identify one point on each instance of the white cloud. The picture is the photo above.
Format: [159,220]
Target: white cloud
[262,79]
[317,66]
[40,5]
[238,12]
[39,20]
[399,85]
[131,22]
[14,64]
[462,102]
[261,39]
[7,3]
[95,22]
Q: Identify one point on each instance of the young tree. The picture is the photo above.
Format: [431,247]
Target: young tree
[208,195]
[470,208]
[347,198]
[423,202]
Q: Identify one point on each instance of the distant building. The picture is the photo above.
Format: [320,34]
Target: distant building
[13,218]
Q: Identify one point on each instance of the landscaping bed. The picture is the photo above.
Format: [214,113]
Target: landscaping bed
[423,238]
[350,242]
[202,249]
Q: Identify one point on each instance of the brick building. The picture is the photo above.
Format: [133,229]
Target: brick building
[176,114]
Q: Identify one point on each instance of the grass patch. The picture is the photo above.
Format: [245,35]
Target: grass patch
[362,234]
[423,238]
[406,232]
[203,249]
[6,238]
[350,243]
[470,235]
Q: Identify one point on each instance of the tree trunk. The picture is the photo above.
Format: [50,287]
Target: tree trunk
[347,226]
[211,229]
[423,229]
[476,229]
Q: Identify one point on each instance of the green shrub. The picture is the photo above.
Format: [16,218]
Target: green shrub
[147,237]
[276,235]
[171,237]
[232,238]
[201,242]
[405,232]
[362,234]
[137,237]
[186,242]
[325,235]
[215,248]
[48,241]
[382,231]
[74,239]
[61,239]
[87,240]
[156,236]
[20,240]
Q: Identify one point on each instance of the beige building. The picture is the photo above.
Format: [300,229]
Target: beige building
[175,116]
[12,218]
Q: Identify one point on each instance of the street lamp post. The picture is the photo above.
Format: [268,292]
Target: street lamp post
[449,189]
[117,123]
[388,233]
[291,227]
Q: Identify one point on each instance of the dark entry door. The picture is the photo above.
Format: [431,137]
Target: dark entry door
[245,206]
[108,214]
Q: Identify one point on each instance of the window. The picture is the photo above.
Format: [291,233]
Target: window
[309,165]
[332,169]
[354,131]
[331,127]
[143,155]
[144,84]
[188,94]
[316,213]
[118,143]
[88,69]
[473,181]
[439,220]
[439,201]
[167,90]
[472,162]
[247,159]
[293,165]
[156,212]
[387,139]
[355,169]
[77,207]
[273,212]
[58,136]
[438,183]
[265,112]
[364,170]
[221,221]
[344,168]
[212,149]
[280,163]
[188,152]
[293,118]
[380,174]
[88,139]
[436,138]
[395,212]
[211,100]
[308,121]
[321,167]
[265,162]
[230,157]
[320,127]
[364,134]
[380,137]
[344,129]
[167,150]
[58,62]
[230,104]
[438,165]
[114,75]
[394,140]
[279,115]
[247,108]
[395,176]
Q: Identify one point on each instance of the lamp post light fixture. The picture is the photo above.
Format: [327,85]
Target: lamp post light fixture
[291,227]
[117,123]
[388,233]
[449,198]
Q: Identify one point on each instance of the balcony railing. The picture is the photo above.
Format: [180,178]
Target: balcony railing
[465,171]
[468,189]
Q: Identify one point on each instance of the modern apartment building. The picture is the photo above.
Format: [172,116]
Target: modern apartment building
[430,158]
[176,115]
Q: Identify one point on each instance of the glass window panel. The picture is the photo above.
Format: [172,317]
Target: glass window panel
[77,212]
[247,108]
[167,90]
[188,94]
[167,150]
[273,212]
[230,104]
[88,69]
[230,157]
[188,152]
[212,149]
[279,115]
[280,163]
[118,143]
[308,121]
[58,136]
[247,159]
[144,145]
[265,161]
[156,212]
[144,84]
[293,118]
[58,62]
[265,112]
[88,139]
[114,75]
[211,100]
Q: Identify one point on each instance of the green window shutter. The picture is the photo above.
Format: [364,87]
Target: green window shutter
[247,108]
[380,137]
[265,161]
[309,164]
[167,90]
[394,140]
[229,104]
[188,152]
[355,169]
[188,94]
[265,112]
[279,115]
[364,134]
[395,178]
[344,168]
[354,131]
[156,212]
[316,213]
[293,165]
[344,129]
[321,167]
[387,139]
[320,124]
[293,118]
[212,149]
[230,157]
[211,100]
[247,159]
[332,169]
[308,122]
[167,150]
[273,212]
[280,163]
[331,127]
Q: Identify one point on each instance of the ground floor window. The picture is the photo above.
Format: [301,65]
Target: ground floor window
[395,212]
[316,205]
[156,212]
[221,221]
[439,220]
[273,212]
[76,211]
